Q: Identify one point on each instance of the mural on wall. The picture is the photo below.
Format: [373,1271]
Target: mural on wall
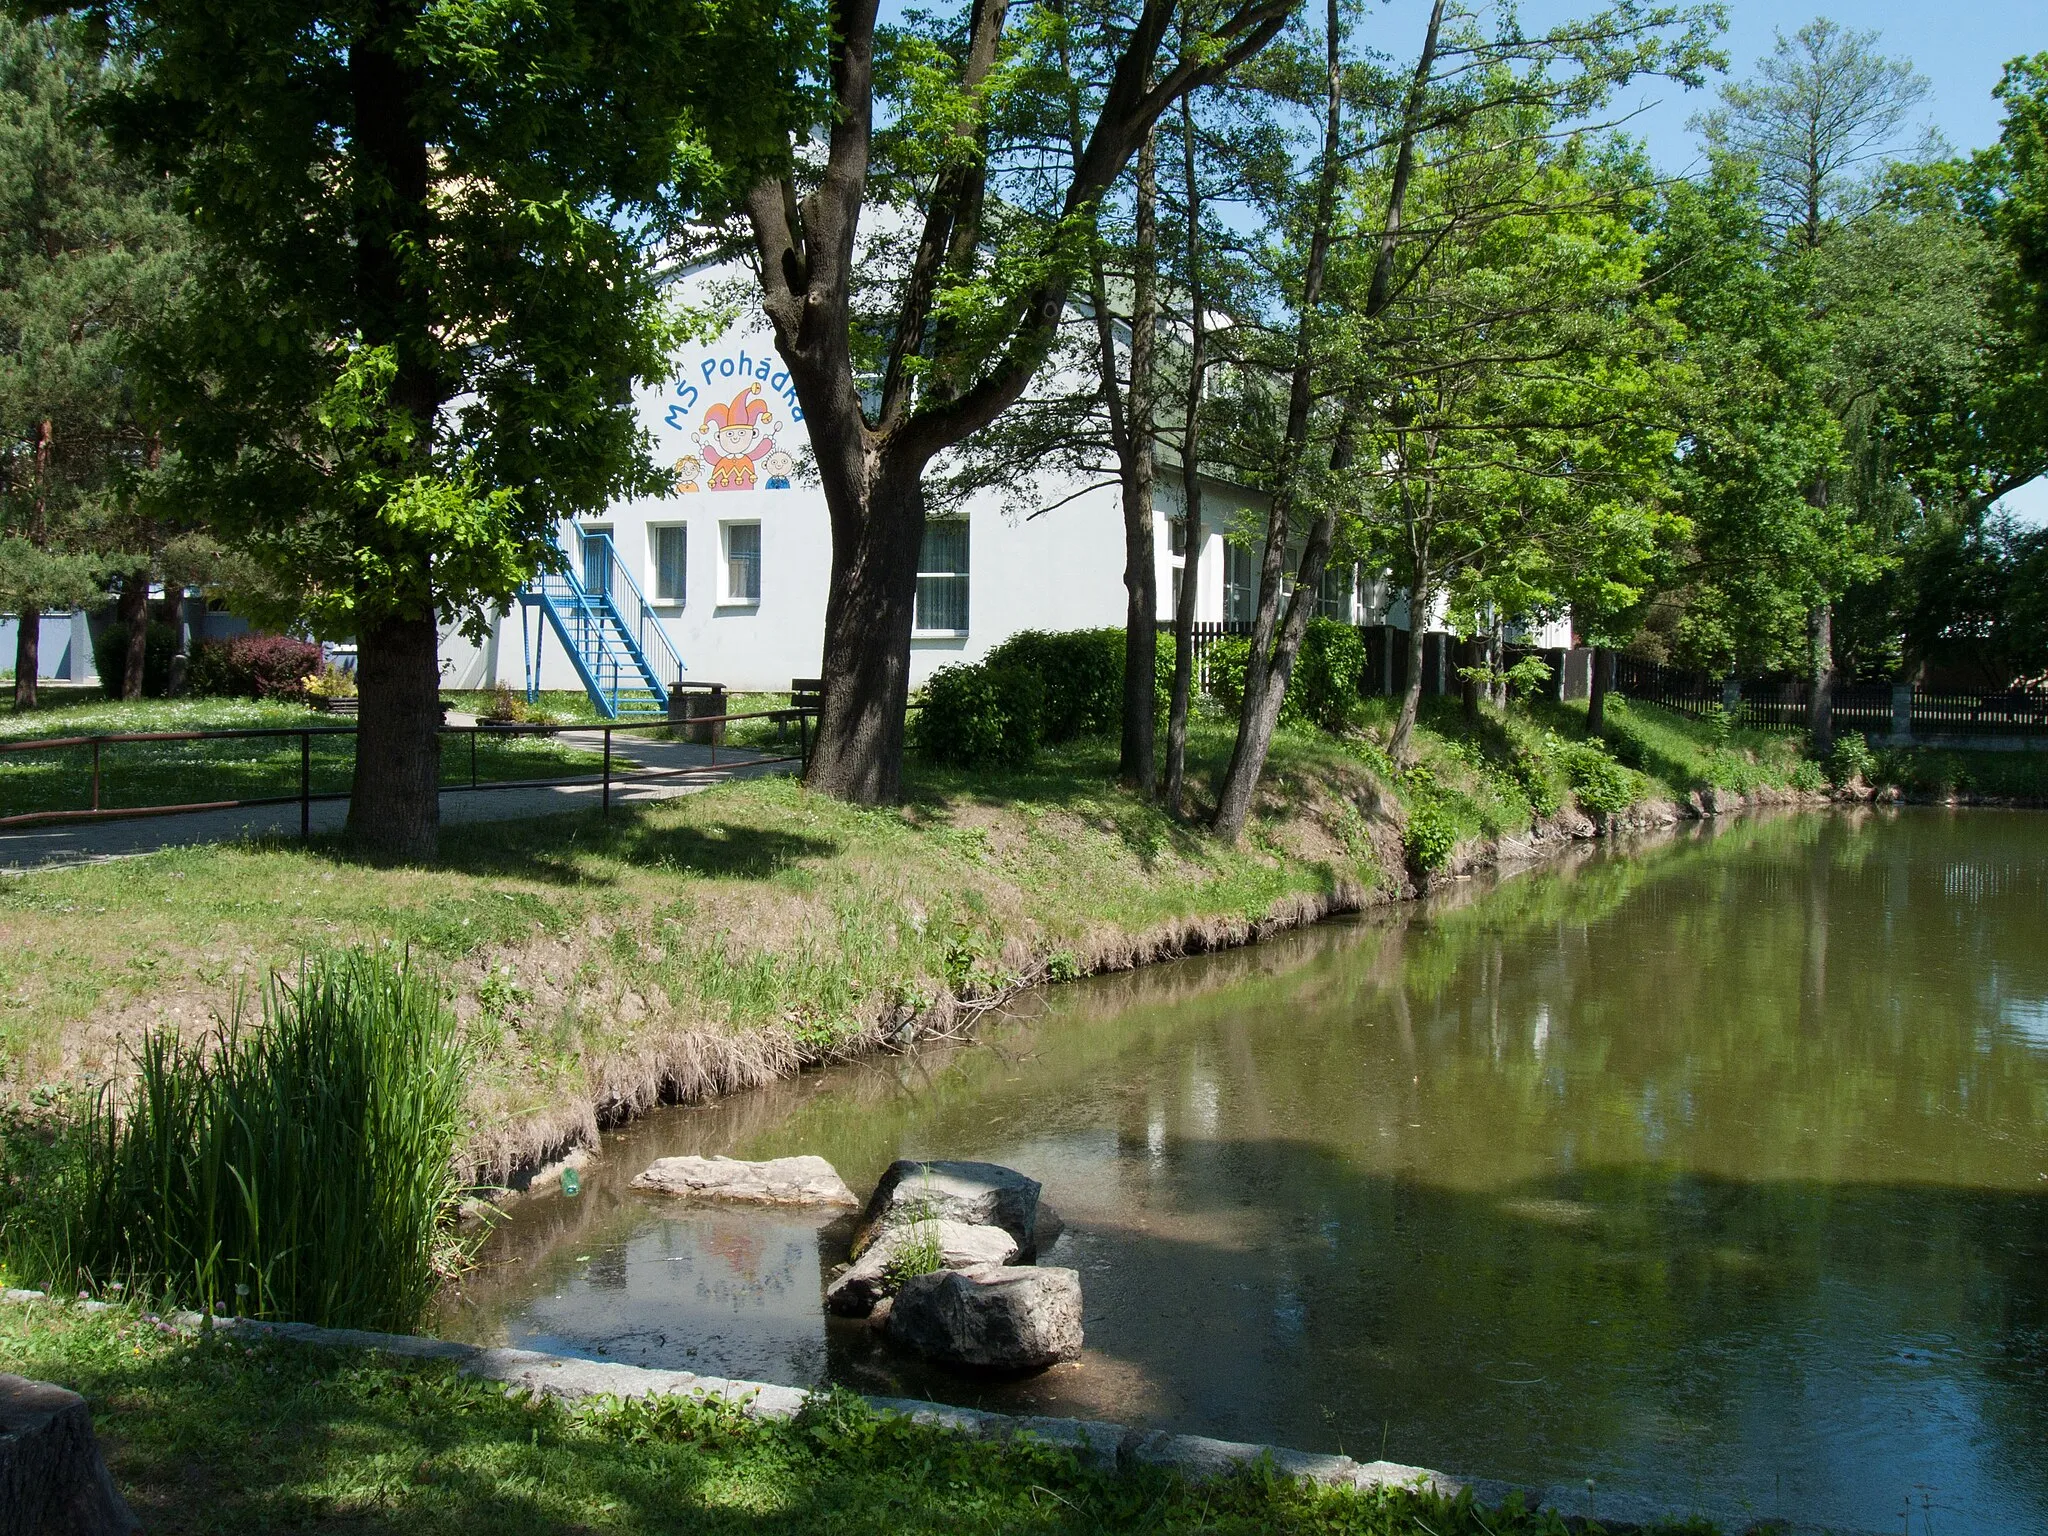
[735,438]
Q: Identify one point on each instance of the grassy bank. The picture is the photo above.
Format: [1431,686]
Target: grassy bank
[206,1436]
[720,940]
[182,773]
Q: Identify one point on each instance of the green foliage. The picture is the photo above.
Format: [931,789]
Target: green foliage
[254,667]
[1082,671]
[110,656]
[1851,760]
[412,340]
[1227,659]
[1810,777]
[302,1170]
[1328,673]
[1599,783]
[980,715]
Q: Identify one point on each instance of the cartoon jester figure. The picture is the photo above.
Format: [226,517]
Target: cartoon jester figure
[735,438]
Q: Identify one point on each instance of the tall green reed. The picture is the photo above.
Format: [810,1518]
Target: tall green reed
[303,1169]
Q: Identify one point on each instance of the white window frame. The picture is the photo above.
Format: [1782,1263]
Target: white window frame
[654,533]
[963,576]
[728,598]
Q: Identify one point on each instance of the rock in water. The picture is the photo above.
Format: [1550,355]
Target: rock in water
[974,1194]
[1011,1318]
[779,1181]
[872,1278]
[52,1481]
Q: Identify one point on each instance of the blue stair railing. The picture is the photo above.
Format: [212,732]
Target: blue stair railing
[615,640]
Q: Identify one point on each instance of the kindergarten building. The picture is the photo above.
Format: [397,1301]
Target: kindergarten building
[723,579]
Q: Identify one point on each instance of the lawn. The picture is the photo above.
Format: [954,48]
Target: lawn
[248,768]
[205,1435]
[701,944]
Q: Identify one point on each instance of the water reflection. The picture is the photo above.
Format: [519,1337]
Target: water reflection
[1718,1174]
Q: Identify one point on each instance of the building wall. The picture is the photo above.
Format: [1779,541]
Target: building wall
[65,653]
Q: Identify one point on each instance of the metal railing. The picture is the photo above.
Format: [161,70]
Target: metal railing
[636,614]
[607,776]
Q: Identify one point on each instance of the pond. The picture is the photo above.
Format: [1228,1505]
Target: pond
[1715,1172]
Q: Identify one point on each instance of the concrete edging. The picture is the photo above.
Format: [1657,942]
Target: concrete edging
[1105,1446]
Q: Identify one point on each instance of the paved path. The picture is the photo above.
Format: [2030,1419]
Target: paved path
[86,842]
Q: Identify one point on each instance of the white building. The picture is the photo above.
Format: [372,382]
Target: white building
[733,564]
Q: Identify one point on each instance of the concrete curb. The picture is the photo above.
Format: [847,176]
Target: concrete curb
[1101,1445]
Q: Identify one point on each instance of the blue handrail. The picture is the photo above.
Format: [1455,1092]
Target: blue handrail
[614,652]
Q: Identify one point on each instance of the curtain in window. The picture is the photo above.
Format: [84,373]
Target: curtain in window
[671,564]
[942,576]
[743,563]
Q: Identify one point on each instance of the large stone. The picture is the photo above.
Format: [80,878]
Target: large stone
[1011,1318]
[873,1276]
[974,1194]
[52,1481]
[779,1181]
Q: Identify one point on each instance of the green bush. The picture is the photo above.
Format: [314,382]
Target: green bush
[1228,658]
[981,715]
[1431,836]
[1328,673]
[302,1170]
[1807,776]
[1852,759]
[1599,783]
[1081,672]
[110,656]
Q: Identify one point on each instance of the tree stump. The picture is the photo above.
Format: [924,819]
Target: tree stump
[52,1481]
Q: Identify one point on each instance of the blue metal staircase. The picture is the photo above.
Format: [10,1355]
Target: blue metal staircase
[614,639]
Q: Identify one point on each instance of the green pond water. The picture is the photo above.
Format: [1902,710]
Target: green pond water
[1715,1172]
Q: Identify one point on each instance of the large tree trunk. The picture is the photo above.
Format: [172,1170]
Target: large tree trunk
[1596,693]
[1411,690]
[866,666]
[28,655]
[1820,714]
[1141,571]
[394,809]
[134,612]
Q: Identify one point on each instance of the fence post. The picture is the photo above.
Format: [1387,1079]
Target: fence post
[305,786]
[472,757]
[803,742]
[95,774]
[1731,695]
[1902,714]
[607,770]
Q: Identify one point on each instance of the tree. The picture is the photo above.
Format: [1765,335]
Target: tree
[1002,233]
[90,255]
[424,295]
[1822,109]
[1469,85]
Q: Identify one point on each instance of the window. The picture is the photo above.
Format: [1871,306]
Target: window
[1176,535]
[1334,602]
[1240,584]
[942,577]
[671,563]
[743,562]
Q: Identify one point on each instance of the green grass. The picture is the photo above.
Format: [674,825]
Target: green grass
[183,773]
[205,1435]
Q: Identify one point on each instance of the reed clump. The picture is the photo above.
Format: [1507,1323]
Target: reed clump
[302,1169]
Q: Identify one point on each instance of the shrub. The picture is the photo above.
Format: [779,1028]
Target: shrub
[255,667]
[1852,759]
[1598,782]
[1328,673]
[302,1170]
[1081,672]
[1228,658]
[1431,835]
[110,655]
[981,715]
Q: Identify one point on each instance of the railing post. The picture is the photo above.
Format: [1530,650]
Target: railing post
[607,770]
[95,775]
[1902,714]
[472,757]
[305,786]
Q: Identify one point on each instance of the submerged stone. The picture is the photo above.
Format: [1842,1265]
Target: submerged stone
[1008,1318]
[876,1274]
[778,1181]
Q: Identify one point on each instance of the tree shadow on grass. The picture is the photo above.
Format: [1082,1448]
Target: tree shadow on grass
[574,849]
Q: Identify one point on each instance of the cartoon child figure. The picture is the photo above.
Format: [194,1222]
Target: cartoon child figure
[737,438]
[778,466]
[686,475]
